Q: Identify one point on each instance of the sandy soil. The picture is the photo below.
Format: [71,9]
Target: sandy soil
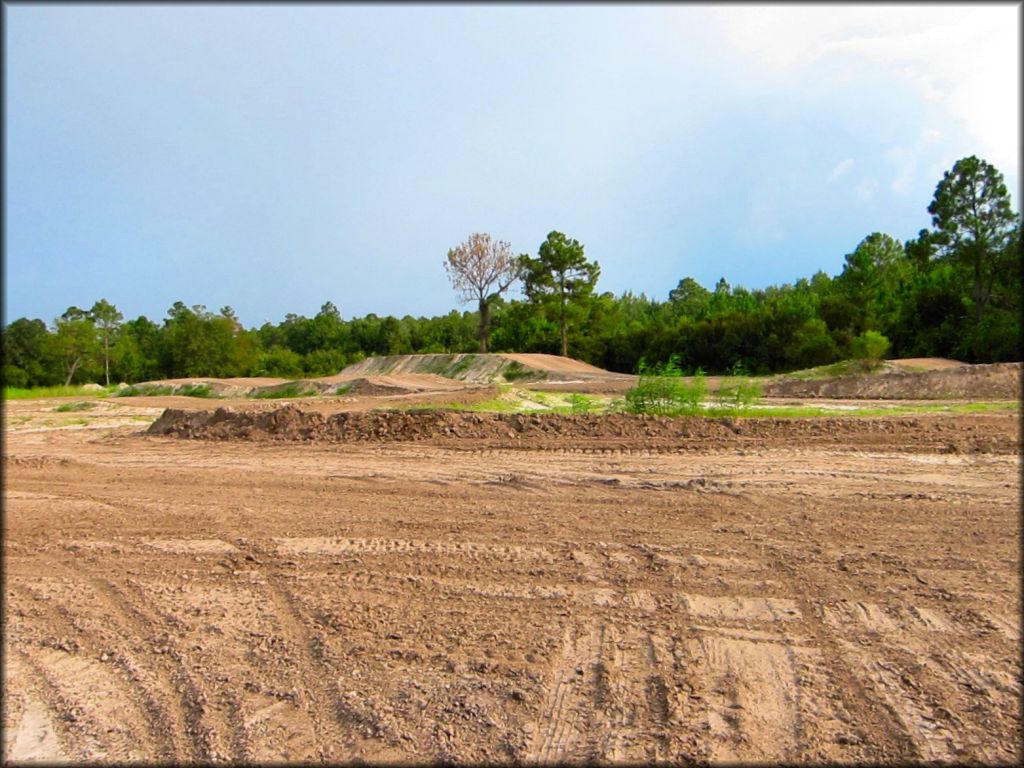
[827,594]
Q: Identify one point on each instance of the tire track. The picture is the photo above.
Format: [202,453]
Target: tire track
[82,639]
[560,733]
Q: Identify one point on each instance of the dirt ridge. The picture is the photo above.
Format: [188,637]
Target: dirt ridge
[992,380]
[982,433]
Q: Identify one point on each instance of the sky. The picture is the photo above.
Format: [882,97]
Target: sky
[272,158]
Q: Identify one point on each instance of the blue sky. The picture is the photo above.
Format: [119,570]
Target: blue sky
[272,158]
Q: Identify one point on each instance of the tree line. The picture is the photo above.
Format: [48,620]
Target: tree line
[953,291]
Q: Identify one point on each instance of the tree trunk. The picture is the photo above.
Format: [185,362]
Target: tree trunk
[71,371]
[565,337]
[485,323]
[106,359]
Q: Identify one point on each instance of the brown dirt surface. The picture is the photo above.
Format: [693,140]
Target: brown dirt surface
[926,363]
[393,587]
[959,382]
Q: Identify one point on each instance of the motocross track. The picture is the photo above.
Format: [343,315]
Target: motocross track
[284,584]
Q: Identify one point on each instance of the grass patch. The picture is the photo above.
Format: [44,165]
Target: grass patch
[146,390]
[196,390]
[291,390]
[82,405]
[20,393]
[835,370]
[515,371]
[343,389]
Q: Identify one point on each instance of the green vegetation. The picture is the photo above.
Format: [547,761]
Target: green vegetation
[196,390]
[343,389]
[953,291]
[146,390]
[662,390]
[870,348]
[32,393]
[580,404]
[289,391]
[516,370]
[83,405]
[737,392]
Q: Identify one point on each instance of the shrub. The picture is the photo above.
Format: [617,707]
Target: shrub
[870,348]
[661,390]
[580,403]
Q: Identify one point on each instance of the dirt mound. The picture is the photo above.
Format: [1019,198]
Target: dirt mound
[975,434]
[926,363]
[960,382]
[404,384]
[482,368]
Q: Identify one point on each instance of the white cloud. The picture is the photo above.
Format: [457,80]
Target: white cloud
[961,57]
[840,169]
[865,191]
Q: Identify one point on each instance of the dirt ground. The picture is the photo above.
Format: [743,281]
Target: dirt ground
[534,591]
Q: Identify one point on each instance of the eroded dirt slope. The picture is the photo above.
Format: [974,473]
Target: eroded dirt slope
[552,599]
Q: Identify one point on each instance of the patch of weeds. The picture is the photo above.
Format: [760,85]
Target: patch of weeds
[738,392]
[82,405]
[516,370]
[460,366]
[196,390]
[146,390]
[661,390]
[343,389]
[291,390]
[580,404]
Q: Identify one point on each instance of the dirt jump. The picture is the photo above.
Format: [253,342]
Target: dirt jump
[332,579]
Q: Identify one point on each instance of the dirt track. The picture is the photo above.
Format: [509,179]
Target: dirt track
[823,595]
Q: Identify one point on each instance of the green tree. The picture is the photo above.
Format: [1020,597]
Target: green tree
[974,224]
[107,319]
[560,281]
[76,341]
[871,279]
[28,359]
[481,269]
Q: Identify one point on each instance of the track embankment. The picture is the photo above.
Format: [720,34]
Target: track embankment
[943,433]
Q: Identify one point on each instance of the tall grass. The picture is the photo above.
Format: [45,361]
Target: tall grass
[20,393]
[737,392]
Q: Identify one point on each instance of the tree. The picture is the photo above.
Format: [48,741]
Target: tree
[560,280]
[108,321]
[481,269]
[75,340]
[974,224]
[871,279]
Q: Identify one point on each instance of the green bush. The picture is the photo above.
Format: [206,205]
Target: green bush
[580,403]
[870,348]
[661,390]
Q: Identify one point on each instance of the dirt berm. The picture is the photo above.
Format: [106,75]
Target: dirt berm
[995,380]
[980,433]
